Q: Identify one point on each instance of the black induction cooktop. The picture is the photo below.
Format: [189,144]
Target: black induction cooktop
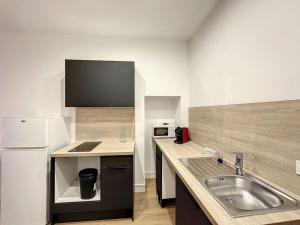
[86,147]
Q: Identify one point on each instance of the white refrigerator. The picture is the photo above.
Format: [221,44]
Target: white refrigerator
[26,144]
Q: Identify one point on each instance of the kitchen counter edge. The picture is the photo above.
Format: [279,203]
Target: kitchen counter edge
[106,148]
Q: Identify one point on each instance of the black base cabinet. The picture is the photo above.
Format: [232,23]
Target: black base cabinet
[188,212]
[117,183]
[158,168]
[117,193]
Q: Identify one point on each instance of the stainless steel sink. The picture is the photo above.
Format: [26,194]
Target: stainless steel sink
[239,195]
[243,196]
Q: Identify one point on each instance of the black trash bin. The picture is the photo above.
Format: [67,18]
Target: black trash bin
[88,178]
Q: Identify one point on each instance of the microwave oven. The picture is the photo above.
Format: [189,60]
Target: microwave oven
[163,131]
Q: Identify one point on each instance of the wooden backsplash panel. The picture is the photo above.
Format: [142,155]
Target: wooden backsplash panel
[104,123]
[267,133]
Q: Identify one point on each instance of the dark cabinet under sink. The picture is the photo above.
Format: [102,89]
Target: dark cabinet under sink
[158,167]
[188,212]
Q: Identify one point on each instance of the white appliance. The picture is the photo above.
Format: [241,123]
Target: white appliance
[168,180]
[26,144]
[163,131]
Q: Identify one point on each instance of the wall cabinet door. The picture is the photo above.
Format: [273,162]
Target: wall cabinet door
[188,212]
[86,83]
[117,182]
[121,84]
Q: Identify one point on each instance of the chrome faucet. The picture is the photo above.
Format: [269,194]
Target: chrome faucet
[238,163]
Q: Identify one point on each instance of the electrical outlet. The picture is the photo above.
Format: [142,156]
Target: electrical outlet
[298,167]
[211,151]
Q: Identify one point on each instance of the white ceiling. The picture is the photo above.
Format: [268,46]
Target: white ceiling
[166,19]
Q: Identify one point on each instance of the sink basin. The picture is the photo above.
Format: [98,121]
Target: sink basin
[242,193]
[239,195]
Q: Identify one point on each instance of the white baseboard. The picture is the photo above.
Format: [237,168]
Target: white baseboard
[139,188]
[150,175]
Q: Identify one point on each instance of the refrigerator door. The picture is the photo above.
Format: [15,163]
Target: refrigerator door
[26,132]
[24,187]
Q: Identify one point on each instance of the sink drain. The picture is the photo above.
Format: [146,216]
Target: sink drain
[231,201]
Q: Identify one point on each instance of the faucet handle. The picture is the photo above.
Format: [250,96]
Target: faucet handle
[220,159]
[239,163]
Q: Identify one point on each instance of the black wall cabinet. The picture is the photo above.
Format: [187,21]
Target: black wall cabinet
[121,84]
[99,83]
[188,212]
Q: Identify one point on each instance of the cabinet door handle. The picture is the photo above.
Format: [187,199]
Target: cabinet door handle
[118,168]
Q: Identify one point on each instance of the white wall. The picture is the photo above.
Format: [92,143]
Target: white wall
[32,73]
[32,67]
[157,111]
[139,133]
[246,51]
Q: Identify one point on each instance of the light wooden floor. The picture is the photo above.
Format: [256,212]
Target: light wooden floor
[147,211]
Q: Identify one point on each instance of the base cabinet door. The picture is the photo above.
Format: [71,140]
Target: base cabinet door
[188,212]
[158,164]
[117,182]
